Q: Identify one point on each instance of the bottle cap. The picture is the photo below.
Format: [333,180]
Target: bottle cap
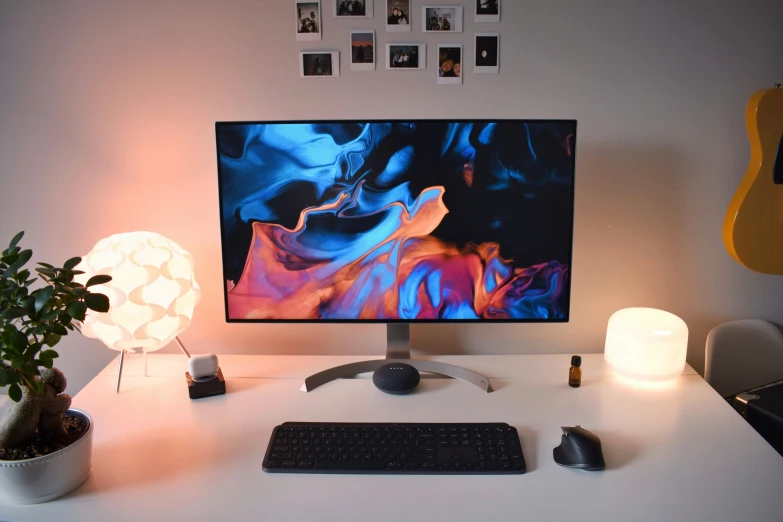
[576,360]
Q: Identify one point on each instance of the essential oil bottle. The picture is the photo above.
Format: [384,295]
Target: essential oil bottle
[575,372]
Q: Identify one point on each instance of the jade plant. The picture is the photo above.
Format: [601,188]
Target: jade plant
[35,313]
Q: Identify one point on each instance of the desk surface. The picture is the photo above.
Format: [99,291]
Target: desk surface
[677,452]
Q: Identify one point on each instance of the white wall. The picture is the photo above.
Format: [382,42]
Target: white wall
[106,125]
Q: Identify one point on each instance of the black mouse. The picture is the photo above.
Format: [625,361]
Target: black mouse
[581,449]
[396,378]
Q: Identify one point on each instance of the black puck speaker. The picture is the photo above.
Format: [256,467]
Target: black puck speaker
[396,378]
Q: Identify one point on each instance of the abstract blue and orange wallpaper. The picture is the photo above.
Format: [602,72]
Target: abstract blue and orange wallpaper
[384,221]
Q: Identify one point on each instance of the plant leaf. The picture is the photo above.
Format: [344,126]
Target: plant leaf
[15,392]
[51,339]
[12,313]
[48,316]
[71,263]
[42,296]
[16,239]
[17,363]
[77,310]
[98,280]
[6,376]
[19,341]
[23,257]
[49,354]
[97,302]
[59,329]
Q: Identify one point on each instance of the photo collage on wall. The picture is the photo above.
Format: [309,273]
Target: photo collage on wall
[398,17]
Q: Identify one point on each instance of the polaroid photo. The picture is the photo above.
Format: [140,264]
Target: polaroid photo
[487,11]
[319,64]
[352,8]
[308,21]
[487,59]
[363,50]
[398,16]
[449,64]
[406,56]
[441,19]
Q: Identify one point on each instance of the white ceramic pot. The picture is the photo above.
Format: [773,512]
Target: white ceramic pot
[49,477]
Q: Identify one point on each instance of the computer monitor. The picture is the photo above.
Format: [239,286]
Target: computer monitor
[397,221]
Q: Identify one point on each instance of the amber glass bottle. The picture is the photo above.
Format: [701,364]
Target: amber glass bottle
[575,373]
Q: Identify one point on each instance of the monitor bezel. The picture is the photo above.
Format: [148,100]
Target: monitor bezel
[569,283]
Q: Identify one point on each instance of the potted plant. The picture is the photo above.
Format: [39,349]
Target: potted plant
[45,447]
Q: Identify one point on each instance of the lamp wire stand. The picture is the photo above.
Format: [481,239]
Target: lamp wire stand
[122,361]
[182,347]
[119,370]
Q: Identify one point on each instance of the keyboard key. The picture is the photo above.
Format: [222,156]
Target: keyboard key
[280,456]
[272,463]
[288,464]
[280,448]
[490,464]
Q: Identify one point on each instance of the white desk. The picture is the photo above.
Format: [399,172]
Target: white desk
[673,454]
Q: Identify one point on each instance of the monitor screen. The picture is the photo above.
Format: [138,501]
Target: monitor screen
[397,221]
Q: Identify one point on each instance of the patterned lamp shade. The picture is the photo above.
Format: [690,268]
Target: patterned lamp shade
[153,291]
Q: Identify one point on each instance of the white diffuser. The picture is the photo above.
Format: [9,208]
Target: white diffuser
[646,344]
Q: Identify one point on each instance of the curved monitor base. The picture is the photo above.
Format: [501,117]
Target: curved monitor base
[397,350]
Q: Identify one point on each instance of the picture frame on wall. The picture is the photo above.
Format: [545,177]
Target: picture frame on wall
[449,64]
[362,50]
[441,19]
[319,64]
[406,56]
[487,11]
[308,20]
[398,16]
[487,55]
[352,8]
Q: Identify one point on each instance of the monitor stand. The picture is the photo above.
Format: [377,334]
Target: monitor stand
[398,350]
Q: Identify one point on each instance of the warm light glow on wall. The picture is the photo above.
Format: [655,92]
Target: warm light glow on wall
[646,344]
[153,291]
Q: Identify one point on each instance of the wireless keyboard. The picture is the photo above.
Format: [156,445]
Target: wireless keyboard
[389,448]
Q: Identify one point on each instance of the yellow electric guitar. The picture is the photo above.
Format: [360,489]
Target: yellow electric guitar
[753,227]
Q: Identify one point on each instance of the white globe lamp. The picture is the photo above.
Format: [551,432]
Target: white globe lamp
[153,292]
